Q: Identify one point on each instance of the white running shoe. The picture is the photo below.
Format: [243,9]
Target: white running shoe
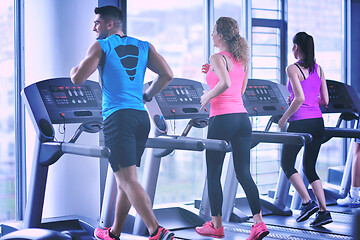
[349,201]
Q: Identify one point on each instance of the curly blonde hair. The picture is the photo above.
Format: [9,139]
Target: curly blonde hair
[239,48]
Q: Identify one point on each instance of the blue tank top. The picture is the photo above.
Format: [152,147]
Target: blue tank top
[122,70]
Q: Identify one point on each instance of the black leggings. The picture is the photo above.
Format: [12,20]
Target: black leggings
[236,129]
[315,127]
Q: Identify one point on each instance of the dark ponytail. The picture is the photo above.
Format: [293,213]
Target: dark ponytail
[306,44]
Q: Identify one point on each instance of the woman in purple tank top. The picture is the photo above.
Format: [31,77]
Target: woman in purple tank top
[308,90]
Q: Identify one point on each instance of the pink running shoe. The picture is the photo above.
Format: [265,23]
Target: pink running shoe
[258,232]
[105,234]
[209,230]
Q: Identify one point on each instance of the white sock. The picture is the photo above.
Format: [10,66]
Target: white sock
[354,192]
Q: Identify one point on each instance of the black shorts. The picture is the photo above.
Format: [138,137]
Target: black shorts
[126,132]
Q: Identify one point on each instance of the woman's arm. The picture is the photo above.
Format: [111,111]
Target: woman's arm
[243,89]
[299,98]
[324,94]
[219,68]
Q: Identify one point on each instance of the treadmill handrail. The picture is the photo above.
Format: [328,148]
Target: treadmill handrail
[85,150]
[280,137]
[173,142]
[165,144]
[331,132]
[52,151]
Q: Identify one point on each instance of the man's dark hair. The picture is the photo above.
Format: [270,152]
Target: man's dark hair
[110,13]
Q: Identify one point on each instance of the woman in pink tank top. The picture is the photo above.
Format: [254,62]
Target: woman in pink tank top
[226,76]
[308,90]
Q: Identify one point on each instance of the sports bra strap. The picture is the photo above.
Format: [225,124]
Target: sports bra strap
[300,70]
[227,68]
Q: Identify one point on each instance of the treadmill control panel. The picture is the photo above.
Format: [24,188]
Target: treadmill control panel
[179,100]
[60,101]
[342,98]
[261,93]
[178,95]
[68,97]
[265,98]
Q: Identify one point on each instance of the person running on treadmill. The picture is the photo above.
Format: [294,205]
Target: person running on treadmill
[122,61]
[227,76]
[353,199]
[308,90]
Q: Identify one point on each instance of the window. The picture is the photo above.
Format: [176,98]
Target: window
[7,119]
[176,30]
[266,41]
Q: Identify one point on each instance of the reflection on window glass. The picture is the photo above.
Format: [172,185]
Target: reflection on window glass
[7,145]
[326,28]
[176,29]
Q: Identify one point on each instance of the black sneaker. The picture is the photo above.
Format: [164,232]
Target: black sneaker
[307,210]
[322,218]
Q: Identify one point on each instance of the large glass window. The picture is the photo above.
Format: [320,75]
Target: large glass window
[326,28]
[229,8]
[7,118]
[266,51]
[176,30]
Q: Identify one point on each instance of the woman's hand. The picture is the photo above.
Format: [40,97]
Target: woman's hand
[282,123]
[205,99]
[205,68]
[289,100]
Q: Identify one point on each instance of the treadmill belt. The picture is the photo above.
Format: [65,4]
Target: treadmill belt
[237,231]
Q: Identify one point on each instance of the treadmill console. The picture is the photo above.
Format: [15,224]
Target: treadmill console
[342,98]
[58,100]
[68,97]
[179,100]
[265,98]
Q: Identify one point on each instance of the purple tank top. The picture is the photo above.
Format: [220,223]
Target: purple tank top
[311,88]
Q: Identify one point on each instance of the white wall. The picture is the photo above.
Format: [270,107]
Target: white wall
[57,35]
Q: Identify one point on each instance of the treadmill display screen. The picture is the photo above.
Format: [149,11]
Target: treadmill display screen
[338,94]
[180,94]
[261,93]
[71,96]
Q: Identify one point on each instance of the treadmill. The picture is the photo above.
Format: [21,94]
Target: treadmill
[48,102]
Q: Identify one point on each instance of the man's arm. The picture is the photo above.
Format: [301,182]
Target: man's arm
[158,65]
[88,65]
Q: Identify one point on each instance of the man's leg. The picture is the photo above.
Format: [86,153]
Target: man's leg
[122,208]
[352,199]
[126,180]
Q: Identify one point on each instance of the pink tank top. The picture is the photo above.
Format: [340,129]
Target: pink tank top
[229,101]
[311,88]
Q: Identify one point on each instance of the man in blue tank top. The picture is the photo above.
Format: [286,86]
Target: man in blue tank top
[122,61]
